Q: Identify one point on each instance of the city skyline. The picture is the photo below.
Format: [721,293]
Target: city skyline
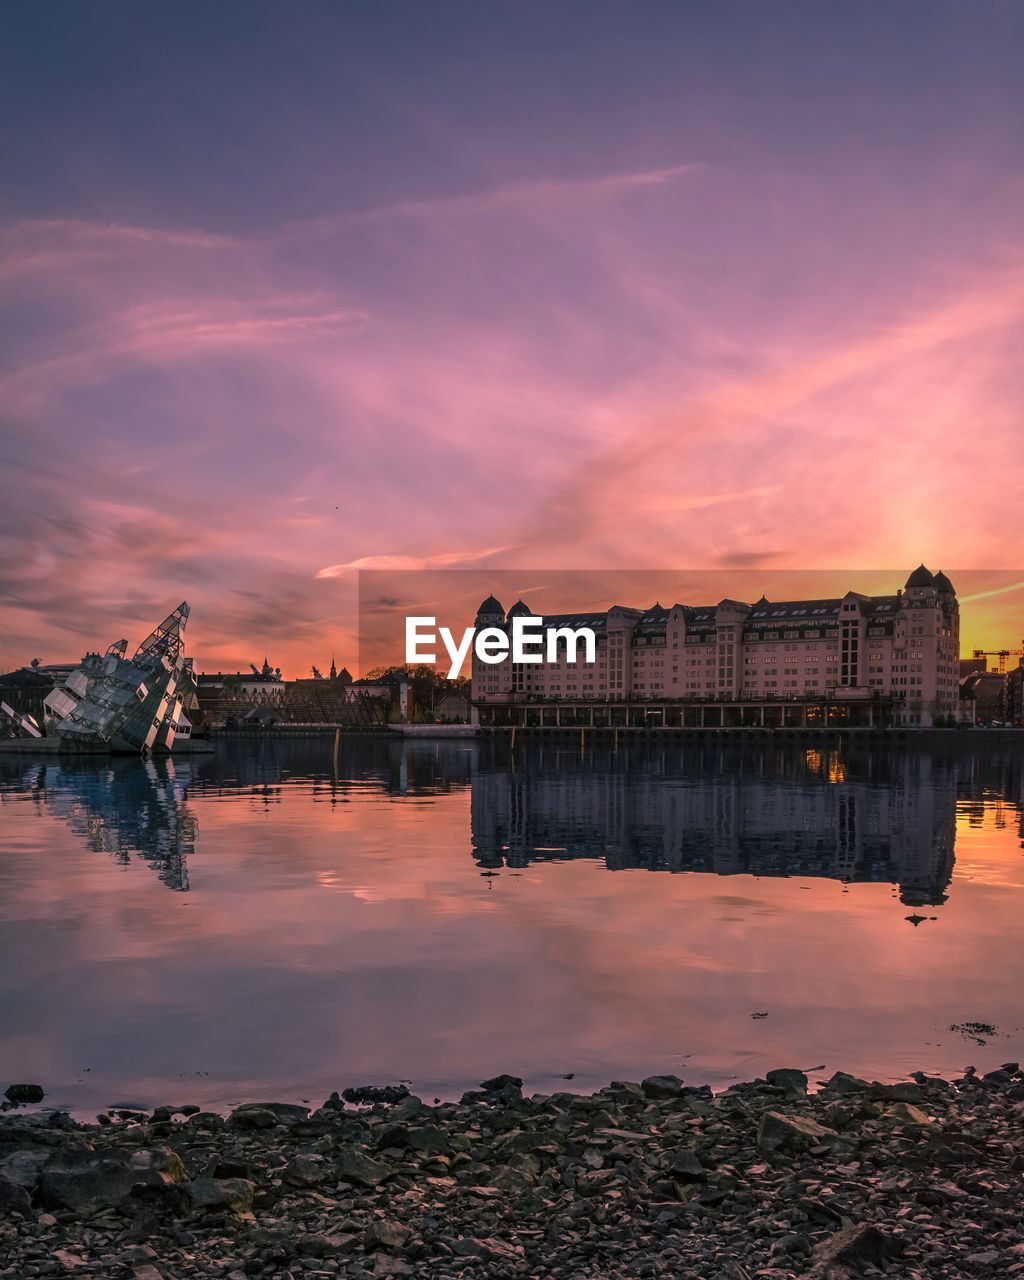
[736,288]
[991,615]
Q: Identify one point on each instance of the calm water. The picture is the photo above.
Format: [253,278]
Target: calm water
[247,925]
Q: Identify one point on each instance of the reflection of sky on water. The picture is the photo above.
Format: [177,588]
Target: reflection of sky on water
[444,911]
[850,815]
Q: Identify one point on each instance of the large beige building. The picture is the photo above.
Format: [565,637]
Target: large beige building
[895,655]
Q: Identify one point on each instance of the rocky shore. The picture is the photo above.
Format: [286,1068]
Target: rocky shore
[919,1179]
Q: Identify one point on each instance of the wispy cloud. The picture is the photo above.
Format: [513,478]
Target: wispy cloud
[46,245]
[994,591]
[440,560]
[523,196]
[697,502]
[161,332]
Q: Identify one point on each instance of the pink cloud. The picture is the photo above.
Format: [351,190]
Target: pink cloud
[550,374]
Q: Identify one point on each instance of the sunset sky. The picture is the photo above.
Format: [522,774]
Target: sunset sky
[293,290]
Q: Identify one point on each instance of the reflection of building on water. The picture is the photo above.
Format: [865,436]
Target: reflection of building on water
[879,817]
[390,764]
[127,808]
[852,813]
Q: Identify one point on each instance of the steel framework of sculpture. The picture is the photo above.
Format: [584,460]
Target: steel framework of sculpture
[128,704]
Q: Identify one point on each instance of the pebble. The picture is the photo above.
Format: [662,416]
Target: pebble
[920,1179]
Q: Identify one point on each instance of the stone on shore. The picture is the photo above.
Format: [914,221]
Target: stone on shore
[853,1246]
[13,1196]
[791,1081]
[23,1167]
[761,1182]
[357,1167]
[843,1082]
[264,1115]
[307,1171]
[385,1233]
[685,1166]
[24,1094]
[778,1132]
[234,1195]
[373,1093]
[662,1087]
[89,1181]
[907,1113]
[501,1082]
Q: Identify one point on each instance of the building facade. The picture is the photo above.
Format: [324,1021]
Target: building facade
[901,651]
[1015,695]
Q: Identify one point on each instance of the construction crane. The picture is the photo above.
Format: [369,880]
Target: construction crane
[1001,654]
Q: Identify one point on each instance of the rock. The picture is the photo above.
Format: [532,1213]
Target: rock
[264,1115]
[395,1136]
[206,1120]
[248,1117]
[23,1094]
[13,1196]
[231,1194]
[853,1245]
[356,1166]
[778,1132]
[907,1113]
[506,1096]
[903,1092]
[23,1167]
[739,1186]
[843,1082]
[156,1204]
[789,1079]
[286,1112]
[820,1211]
[476,1247]
[624,1088]
[429,1139]
[371,1093]
[999,1076]
[385,1265]
[88,1181]
[307,1171]
[384,1233]
[69,1261]
[662,1087]
[408,1108]
[501,1082]
[685,1166]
